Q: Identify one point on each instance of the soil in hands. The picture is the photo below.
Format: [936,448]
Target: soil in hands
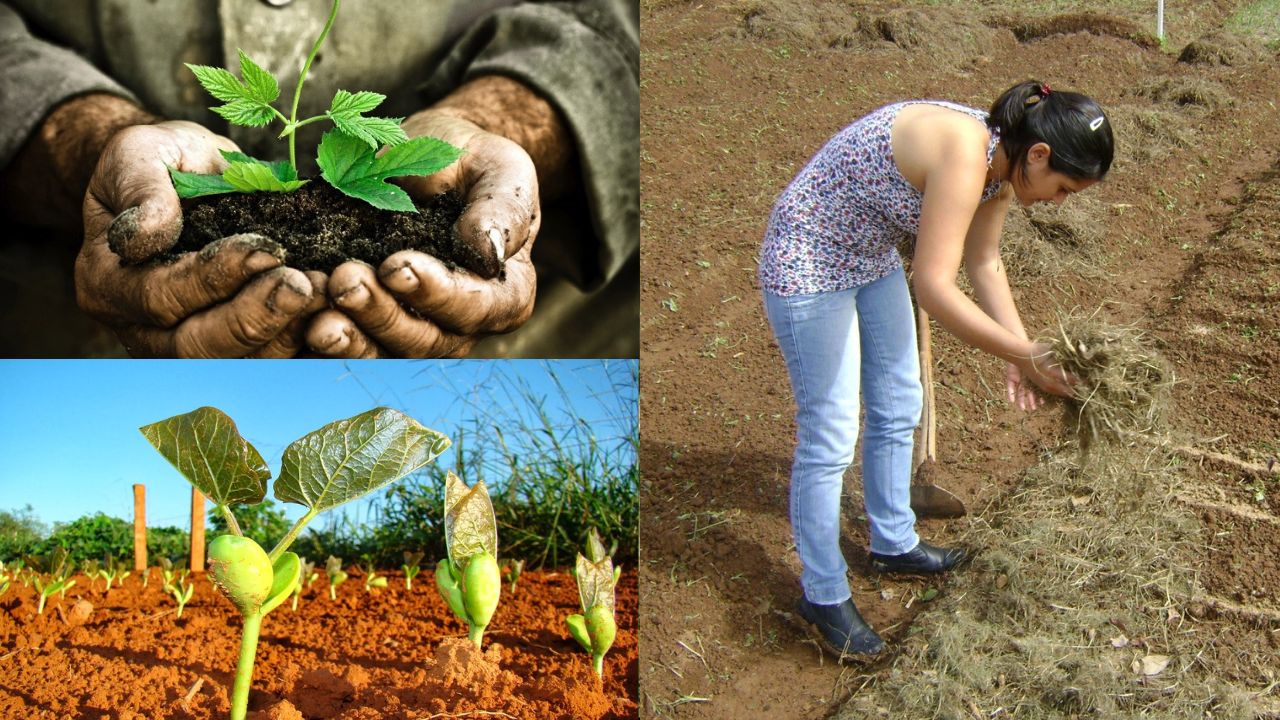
[393,654]
[320,228]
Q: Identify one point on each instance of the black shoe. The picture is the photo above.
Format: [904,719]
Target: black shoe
[924,559]
[842,629]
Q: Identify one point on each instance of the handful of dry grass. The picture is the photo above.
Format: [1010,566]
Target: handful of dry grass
[1124,385]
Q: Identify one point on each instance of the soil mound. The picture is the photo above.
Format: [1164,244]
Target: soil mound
[1029,29]
[1185,91]
[1222,48]
[1044,241]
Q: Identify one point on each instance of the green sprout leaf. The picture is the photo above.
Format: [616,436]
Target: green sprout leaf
[283,171]
[191,185]
[205,446]
[258,83]
[346,111]
[254,176]
[351,165]
[350,458]
[470,527]
[246,112]
[248,103]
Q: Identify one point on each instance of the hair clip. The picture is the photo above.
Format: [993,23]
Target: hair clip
[1096,123]
[1044,89]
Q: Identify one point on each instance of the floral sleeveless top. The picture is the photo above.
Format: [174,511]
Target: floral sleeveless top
[840,221]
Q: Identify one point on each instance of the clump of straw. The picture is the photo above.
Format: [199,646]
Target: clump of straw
[1124,385]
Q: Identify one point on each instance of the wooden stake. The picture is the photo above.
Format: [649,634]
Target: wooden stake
[197,531]
[139,528]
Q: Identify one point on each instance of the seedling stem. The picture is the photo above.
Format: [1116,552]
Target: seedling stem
[292,123]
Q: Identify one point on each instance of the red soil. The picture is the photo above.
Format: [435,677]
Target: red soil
[393,654]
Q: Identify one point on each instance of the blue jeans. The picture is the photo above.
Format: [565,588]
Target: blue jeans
[832,342]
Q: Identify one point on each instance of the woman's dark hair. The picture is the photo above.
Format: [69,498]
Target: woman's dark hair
[1071,124]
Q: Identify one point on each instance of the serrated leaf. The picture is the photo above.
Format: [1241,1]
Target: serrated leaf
[359,102]
[280,168]
[245,112]
[352,167]
[374,131]
[220,83]
[595,582]
[350,458]
[255,176]
[258,83]
[191,185]
[205,446]
[470,526]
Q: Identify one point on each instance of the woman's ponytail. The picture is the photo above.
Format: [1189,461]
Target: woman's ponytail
[1073,126]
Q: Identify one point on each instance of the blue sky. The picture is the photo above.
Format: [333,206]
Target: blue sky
[69,429]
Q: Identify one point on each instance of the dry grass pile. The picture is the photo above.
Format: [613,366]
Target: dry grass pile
[1223,48]
[1027,29]
[1047,240]
[1148,134]
[1185,91]
[1073,607]
[1125,384]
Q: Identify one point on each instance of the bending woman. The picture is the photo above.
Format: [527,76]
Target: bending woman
[837,299]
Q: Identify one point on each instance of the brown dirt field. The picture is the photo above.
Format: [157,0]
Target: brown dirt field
[738,95]
[391,654]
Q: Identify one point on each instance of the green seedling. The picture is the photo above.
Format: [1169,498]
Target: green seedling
[411,567]
[469,578]
[306,570]
[347,155]
[182,594]
[4,586]
[341,461]
[371,579]
[513,574]
[54,585]
[596,627]
[168,573]
[337,576]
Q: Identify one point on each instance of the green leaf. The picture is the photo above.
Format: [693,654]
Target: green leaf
[351,166]
[374,131]
[205,446]
[470,527]
[246,112]
[191,185]
[220,83]
[255,176]
[259,83]
[360,102]
[286,574]
[280,168]
[350,458]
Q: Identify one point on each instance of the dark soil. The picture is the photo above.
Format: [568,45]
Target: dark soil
[320,228]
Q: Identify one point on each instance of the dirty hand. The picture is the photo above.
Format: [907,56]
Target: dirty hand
[233,298]
[1044,372]
[415,306]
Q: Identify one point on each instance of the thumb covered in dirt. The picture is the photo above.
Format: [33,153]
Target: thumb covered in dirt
[131,198]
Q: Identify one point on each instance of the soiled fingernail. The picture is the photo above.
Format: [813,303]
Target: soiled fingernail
[402,280]
[260,261]
[353,297]
[499,248]
[289,299]
[333,344]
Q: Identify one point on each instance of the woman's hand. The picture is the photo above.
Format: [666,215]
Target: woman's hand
[1042,371]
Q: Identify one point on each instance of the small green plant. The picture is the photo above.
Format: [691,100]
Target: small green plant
[347,155]
[513,574]
[337,576]
[339,462]
[468,578]
[596,627]
[182,594]
[308,571]
[371,578]
[49,587]
[114,571]
[411,567]
[4,586]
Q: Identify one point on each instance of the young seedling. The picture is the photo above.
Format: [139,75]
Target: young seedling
[337,576]
[182,594]
[372,579]
[513,574]
[47,588]
[4,586]
[167,573]
[341,461]
[468,578]
[347,155]
[596,627]
[411,567]
[307,570]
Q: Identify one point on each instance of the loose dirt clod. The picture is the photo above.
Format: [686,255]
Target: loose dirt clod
[1125,384]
